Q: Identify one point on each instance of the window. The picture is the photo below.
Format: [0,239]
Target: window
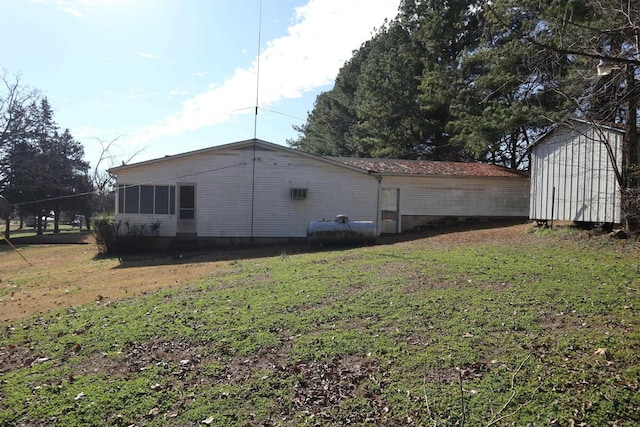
[298,193]
[131,199]
[187,202]
[147,199]
[165,202]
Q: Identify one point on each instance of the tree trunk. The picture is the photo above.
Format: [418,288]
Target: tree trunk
[39,224]
[631,148]
[630,155]
[56,221]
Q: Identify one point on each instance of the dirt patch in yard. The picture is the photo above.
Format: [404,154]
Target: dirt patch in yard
[65,275]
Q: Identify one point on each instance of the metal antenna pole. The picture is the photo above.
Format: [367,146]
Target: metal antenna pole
[255,126]
[255,119]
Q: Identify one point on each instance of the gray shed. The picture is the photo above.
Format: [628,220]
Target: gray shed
[573,174]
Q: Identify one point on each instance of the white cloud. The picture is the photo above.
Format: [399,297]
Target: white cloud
[136,93]
[177,92]
[146,55]
[71,7]
[322,37]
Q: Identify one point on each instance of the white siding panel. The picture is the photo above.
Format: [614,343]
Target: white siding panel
[210,173]
[128,222]
[572,178]
[331,190]
[461,196]
[234,199]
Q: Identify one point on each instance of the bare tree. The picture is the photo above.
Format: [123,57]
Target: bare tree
[101,180]
[14,100]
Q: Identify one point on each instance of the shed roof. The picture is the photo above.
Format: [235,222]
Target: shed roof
[429,167]
[572,123]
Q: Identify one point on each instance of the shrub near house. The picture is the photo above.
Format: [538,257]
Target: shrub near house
[116,237]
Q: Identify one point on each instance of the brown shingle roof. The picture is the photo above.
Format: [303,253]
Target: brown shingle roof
[428,167]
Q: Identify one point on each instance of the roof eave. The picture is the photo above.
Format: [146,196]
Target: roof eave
[563,123]
[235,145]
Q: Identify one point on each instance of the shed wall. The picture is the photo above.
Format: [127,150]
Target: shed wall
[572,178]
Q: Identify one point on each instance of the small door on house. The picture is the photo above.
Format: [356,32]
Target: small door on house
[390,210]
[186,208]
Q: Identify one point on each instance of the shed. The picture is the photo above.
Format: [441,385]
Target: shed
[574,174]
[257,191]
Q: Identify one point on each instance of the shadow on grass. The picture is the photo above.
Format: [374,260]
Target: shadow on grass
[199,255]
[64,237]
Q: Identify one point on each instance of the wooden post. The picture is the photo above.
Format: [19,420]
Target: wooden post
[553,204]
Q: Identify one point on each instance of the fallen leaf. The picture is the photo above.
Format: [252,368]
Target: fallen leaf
[207,421]
[600,351]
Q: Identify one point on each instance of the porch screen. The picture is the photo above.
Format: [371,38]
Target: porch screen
[147,199]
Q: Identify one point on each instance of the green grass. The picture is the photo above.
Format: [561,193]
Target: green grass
[541,331]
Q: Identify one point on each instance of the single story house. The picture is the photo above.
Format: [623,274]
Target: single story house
[575,171]
[255,190]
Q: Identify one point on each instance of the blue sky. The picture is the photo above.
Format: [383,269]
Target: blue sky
[169,76]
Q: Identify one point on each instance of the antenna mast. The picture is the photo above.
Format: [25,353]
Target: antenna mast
[255,119]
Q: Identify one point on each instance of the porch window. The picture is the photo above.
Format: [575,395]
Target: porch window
[131,199]
[147,199]
[165,200]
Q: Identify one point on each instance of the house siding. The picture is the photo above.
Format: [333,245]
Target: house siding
[236,198]
[425,198]
[572,178]
[243,192]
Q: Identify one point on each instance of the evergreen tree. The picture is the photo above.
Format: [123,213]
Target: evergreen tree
[44,169]
[393,98]
[480,80]
[448,30]
[330,127]
[510,93]
[391,122]
[68,173]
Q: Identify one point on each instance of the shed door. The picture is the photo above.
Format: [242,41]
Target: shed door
[389,210]
[186,208]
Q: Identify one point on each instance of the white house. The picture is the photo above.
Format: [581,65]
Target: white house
[255,190]
[574,174]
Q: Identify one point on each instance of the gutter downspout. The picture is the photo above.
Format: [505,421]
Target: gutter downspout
[378,216]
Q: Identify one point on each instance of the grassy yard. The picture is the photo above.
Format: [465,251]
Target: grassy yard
[533,329]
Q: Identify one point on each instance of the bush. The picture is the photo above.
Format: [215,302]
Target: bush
[106,233]
[117,237]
